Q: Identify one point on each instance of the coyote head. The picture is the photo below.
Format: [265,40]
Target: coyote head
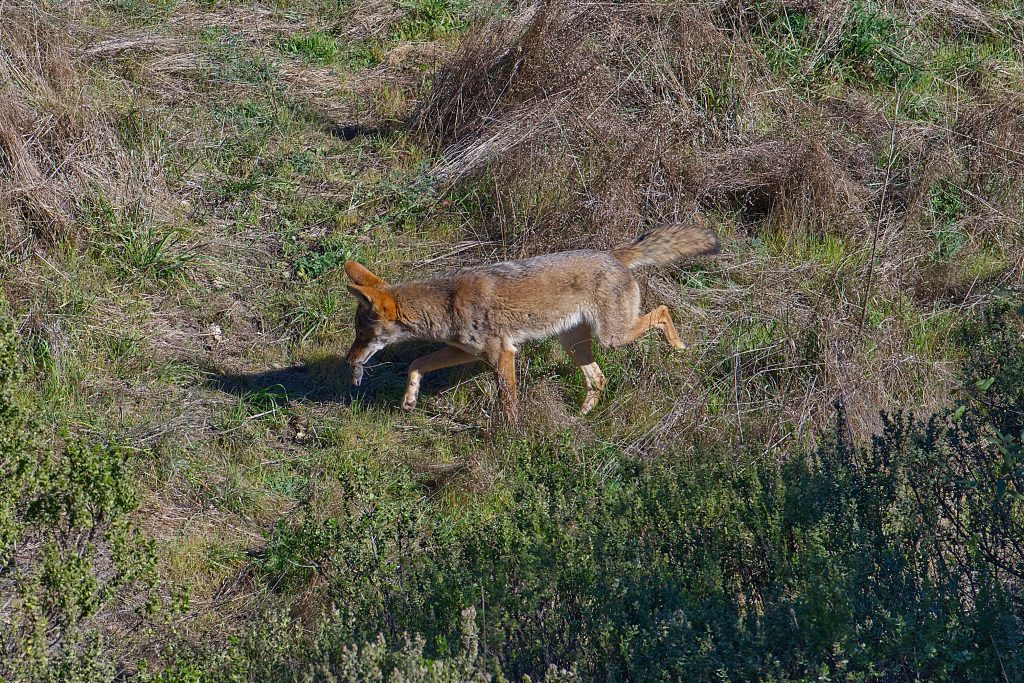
[376,318]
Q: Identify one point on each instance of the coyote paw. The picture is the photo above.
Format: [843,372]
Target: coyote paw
[590,401]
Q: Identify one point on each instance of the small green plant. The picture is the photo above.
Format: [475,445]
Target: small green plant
[827,250]
[868,47]
[430,19]
[946,207]
[946,201]
[318,312]
[141,11]
[156,253]
[137,245]
[231,60]
[315,47]
[138,130]
[122,347]
[331,254]
[948,241]
[361,54]
[266,406]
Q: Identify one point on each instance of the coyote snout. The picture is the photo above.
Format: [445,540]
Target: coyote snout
[486,312]
[376,319]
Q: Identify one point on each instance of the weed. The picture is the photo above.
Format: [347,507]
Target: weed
[868,46]
[946,201]
[141,11]
[362,54]
[948,241]
[430,19]
[232,61]
[931,335]
[318,313]
[316,46]
[330,255]
[137,245]
[122,347]
[262,404]
[152,253]
[138,130]
[71,551]
[830,251]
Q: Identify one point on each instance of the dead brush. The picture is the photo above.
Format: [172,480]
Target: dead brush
[56,147]
[623,107]
[988,140]
[162,66]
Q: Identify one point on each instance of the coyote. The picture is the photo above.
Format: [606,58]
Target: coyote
[486,312]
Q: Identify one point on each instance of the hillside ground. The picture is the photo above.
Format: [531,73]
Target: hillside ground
[181,182]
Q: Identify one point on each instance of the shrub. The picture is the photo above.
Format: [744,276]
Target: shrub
[70,553]
[888,561]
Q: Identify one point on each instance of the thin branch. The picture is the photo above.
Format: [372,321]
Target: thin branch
[881,210]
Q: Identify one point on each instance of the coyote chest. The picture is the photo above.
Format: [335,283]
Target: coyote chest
[485,312]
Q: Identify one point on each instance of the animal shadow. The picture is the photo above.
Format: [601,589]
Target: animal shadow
[328,379]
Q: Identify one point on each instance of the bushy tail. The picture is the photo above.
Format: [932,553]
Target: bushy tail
[666,244]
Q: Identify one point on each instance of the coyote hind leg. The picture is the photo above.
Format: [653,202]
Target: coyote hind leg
[659,318]
[578,344]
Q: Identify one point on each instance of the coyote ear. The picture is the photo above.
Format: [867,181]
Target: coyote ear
[382,303]
[361,295]
[360,275]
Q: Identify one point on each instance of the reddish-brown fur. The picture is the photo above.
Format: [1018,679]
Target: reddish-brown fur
[486,312]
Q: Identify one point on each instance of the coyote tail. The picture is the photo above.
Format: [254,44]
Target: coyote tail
[666,244]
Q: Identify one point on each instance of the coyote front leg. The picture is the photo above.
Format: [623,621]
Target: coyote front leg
[506,369]
[578,343]
[443,358]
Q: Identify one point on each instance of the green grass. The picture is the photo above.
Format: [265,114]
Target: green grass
[869,47]
[430,19]
[136,245]
[232,61]
[316,47]
[329,256]
[829,251]
[946,201]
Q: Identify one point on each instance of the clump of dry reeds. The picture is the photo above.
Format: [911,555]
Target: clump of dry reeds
[56,148]
[639,114]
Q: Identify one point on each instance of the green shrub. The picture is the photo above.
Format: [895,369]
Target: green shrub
[430,19]
[883,562]
[868,46]
[134,243]
[70,553]
[896,560]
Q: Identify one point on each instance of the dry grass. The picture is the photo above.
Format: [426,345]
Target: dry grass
[585,122]
[627,105]
[56,147]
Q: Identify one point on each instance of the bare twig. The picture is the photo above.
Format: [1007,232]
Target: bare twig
[881,212]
